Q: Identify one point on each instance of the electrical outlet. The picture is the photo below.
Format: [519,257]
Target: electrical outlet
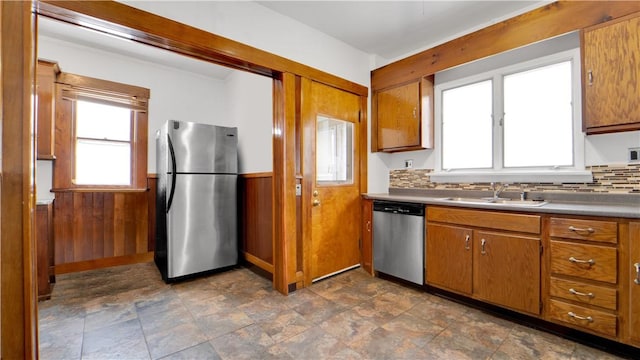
[634,155]
[408,164]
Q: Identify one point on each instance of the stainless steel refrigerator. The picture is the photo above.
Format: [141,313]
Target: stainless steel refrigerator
[196,201]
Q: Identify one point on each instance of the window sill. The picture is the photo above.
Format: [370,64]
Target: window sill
[549,176]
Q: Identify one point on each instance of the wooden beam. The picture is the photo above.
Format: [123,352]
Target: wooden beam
[119,19]
[18,295]
[545,22]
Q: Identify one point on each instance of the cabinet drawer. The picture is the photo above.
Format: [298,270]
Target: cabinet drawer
[585,293]
[592,262]
[582,317]
[592,230]
[487,219]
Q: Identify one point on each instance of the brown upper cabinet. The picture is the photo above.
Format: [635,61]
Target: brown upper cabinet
[46,73]
[611,76]
[403,117]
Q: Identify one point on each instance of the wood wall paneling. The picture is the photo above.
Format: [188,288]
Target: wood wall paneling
[44,236]
[97,225]
[152,185]
[256,218]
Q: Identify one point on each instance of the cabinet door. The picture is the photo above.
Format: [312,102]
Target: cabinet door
[507,270]
[45,82]
[399,117]
[366,247]
[634,283]
[612,82]
[449,253]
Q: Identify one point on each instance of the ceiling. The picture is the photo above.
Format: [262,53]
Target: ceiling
[388,29]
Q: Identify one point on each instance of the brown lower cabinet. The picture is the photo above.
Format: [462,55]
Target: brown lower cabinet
[44,246]
[634,283]
[580,272]
[366,244]
[497,265]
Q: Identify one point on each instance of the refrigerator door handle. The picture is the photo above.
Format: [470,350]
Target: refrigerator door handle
[173,173]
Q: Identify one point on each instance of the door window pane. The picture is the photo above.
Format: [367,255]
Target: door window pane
[467,134]
[334,151]
[538,122]
[102,163]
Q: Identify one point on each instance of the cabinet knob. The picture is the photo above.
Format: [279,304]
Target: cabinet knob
[315,202]
[466,242]
[590,77]
[637,279]
[483,242]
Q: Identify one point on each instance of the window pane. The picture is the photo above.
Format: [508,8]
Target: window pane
[102,163]
[538,123]
[467,134]
[99,121]
[334,150]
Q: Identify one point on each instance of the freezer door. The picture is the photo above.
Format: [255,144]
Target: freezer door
[203,148]
[201,224]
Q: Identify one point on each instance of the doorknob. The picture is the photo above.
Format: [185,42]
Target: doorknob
[315,202]
[315,193]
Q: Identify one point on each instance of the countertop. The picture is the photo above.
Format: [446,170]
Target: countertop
[610,205]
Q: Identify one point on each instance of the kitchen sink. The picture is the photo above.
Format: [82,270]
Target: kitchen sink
[498,201]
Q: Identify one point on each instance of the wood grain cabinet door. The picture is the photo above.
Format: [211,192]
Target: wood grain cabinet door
[399,117]
[449,256]
[611,80]
[507,270]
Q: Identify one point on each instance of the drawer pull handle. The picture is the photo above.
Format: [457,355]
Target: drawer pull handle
[466,242]
[578,317]
[637,279]
[581,230]
[574,292]
[591,262]
[483,242]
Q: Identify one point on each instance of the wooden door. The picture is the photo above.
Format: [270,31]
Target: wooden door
[612,81]
[449,256]
[331,188]
[506,270]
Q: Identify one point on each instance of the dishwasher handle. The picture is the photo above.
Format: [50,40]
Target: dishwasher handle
[399,208]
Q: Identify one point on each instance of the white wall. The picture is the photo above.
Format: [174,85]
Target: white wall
[175,94]
[250,105]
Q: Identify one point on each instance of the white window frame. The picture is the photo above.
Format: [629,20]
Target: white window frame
[574,173]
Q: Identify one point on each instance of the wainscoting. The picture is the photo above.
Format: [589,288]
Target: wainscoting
[256,219]
[99,229]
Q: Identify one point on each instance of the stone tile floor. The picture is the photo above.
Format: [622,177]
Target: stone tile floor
[127,312]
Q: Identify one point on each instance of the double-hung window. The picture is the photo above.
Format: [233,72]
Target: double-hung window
[102,127]
[519,123]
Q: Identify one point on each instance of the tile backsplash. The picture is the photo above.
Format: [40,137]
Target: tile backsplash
[606,179]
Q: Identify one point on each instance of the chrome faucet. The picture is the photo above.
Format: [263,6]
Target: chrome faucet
[498,189]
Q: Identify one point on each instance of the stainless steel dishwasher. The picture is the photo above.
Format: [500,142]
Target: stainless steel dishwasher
[398,240]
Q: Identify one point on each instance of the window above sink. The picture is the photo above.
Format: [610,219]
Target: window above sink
[519,122]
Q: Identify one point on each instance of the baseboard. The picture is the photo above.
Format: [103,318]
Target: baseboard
[103,263]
